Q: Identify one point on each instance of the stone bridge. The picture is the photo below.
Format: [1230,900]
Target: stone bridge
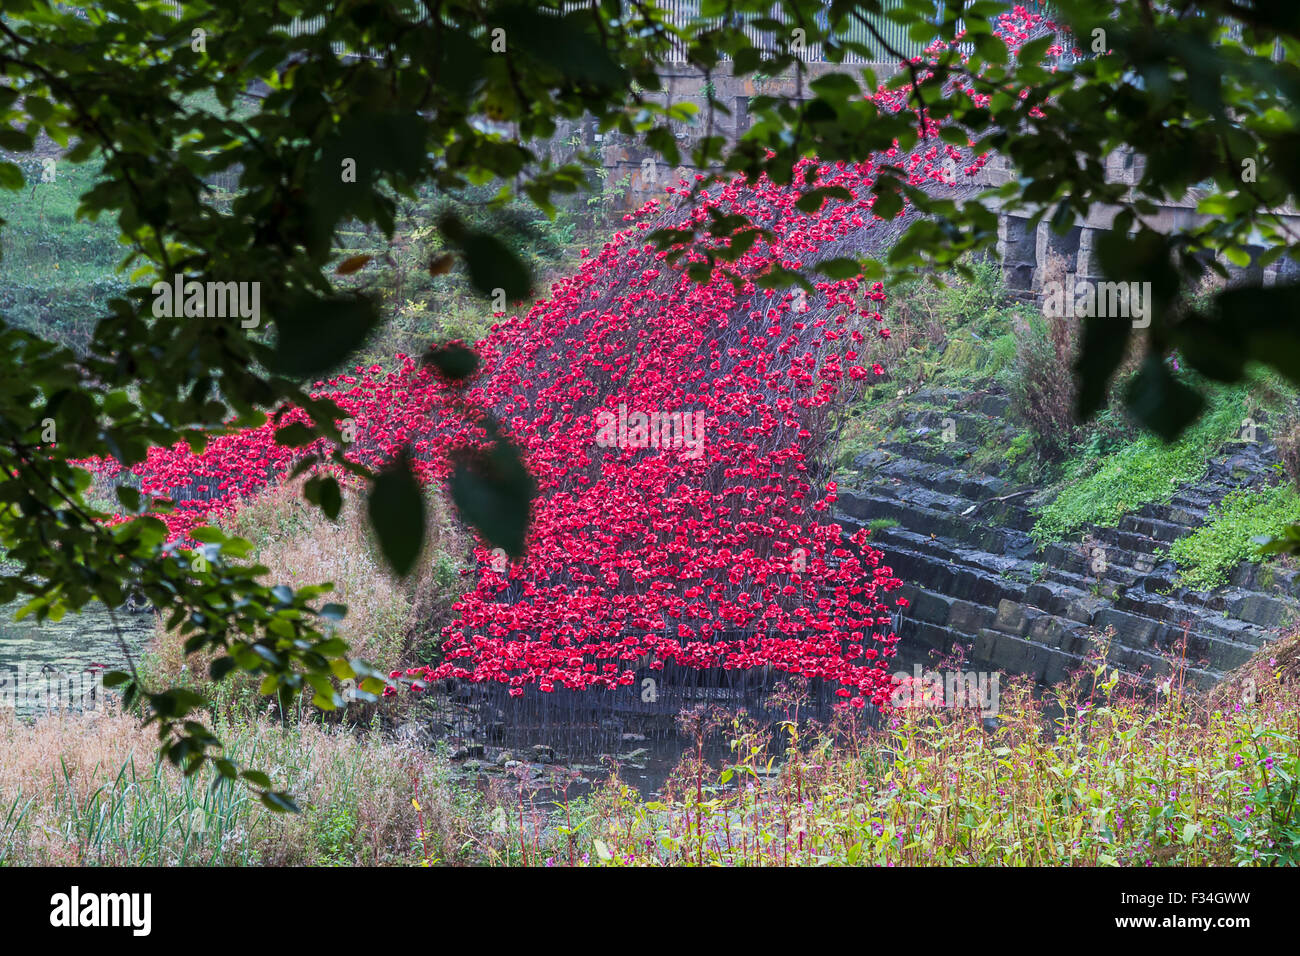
[1022,248]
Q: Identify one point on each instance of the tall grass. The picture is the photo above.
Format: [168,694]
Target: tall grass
[1098,772]
[1116,780]
[89,790]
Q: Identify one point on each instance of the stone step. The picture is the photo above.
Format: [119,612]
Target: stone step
[992,401]
[882,465]
[946,550]
[1224,647]
[1064,600]
[934,606]
[1196,501]
[864,507]
[994,405]
[950,424]
[1048,652]
[934,395]
[1128,542]
[1259,577]
[1156,529]
[975,579]
[914,494]
[945,576]
[1096,567]
[1174,613]
[1222,653]
[1038,659]
[1171,514]
[1057,651]
[951,580]
[985,522]
[1060,591]
[934,451]
[978,514]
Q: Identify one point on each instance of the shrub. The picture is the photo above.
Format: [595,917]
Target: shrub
[1208,554]
[1042,384]
[1042,376]
[1102,490]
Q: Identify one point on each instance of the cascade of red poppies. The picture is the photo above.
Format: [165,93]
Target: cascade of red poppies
[677,431]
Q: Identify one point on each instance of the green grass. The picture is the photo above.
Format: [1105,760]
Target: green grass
[1207,555]
[1101,490]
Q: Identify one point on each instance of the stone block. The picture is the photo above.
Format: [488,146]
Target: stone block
[931,608]
[967,618]
[1012,618]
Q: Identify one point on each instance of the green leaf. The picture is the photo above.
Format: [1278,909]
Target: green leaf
[294,435]
[221,667]
[568,44]
[888,204]
[396,508]
[128,497]
[1102,347]
[1032,53]
[453,361]
[1160,402]
[280,802]
[334,612]
[493,491]
[840,268]
[315,335]
[331,497]
[77,417]
[11,177]
[493,266]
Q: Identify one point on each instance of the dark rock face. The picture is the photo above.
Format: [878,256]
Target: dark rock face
[975,578]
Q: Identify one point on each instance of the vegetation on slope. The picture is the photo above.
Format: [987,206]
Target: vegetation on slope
[388,621]
[1233,532]
[1101,488]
